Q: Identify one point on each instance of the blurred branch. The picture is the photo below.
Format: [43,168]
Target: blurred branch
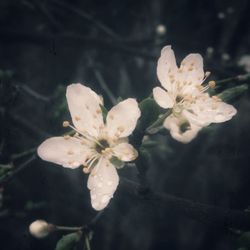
[45,12]
[34,94]
[11,36]
[239,79]
[24,153]
[87,17]
[214,216]
[6,178]
[102,82]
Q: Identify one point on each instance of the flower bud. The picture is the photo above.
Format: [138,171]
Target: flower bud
[40,229]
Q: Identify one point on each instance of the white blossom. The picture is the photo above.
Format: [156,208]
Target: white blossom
[96,144]
[40,229]
[192,107]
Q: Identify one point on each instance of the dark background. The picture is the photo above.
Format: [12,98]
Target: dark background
[46,45]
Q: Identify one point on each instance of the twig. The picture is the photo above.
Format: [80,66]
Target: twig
[238,79]
[34,94]
[6,178]
[88,17]
[73,40]
[47,15]
[102,82]
[24,153]
[214,216]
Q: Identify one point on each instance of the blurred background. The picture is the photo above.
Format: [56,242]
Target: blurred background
[46,45]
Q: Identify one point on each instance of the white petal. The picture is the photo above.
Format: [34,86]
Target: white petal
[163,98]
[122,118]
[206,110]
[84,107]
[166,67]
[69,153]
[174,125]
[192,69]
[125,152]
[102,182]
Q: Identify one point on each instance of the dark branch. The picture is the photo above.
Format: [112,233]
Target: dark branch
[214,216]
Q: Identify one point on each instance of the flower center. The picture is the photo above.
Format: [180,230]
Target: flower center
[184,126]
[101,145]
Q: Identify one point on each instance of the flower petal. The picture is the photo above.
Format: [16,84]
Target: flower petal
[122,118]
[191,70]
[163,98]
[84,107]
[208,110]
[68,152]
[179,132]
[102,182]
[125,152]
[166,67]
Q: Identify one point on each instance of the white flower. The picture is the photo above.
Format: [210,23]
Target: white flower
[183,93]
[96,144]
[40,228]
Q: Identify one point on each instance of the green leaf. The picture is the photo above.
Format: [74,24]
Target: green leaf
[69,241]
[104,112]
[116,162]
[233,93]
[150,111]
[244,240]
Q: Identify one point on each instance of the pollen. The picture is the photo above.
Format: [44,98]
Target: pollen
[70,152]
[98,111]
[66,137]
[65,124]
[212,84]
[77,118]
[207,74]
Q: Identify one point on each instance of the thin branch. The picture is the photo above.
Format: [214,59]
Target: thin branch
[102,82]
[11,36]
[87,17]
[214,216]
[34,94]
[239,79]
[6,178]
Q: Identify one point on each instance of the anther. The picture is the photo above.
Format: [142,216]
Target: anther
[65,124]
[212,84]
[207,74]
[66,137]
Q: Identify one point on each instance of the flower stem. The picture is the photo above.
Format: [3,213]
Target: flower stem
[65,228]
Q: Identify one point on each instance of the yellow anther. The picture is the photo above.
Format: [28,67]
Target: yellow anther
[65,124]
[86,170]
[212,84]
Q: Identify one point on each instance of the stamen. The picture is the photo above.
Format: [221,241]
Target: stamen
[66,137]
[65,124]
[212,84]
